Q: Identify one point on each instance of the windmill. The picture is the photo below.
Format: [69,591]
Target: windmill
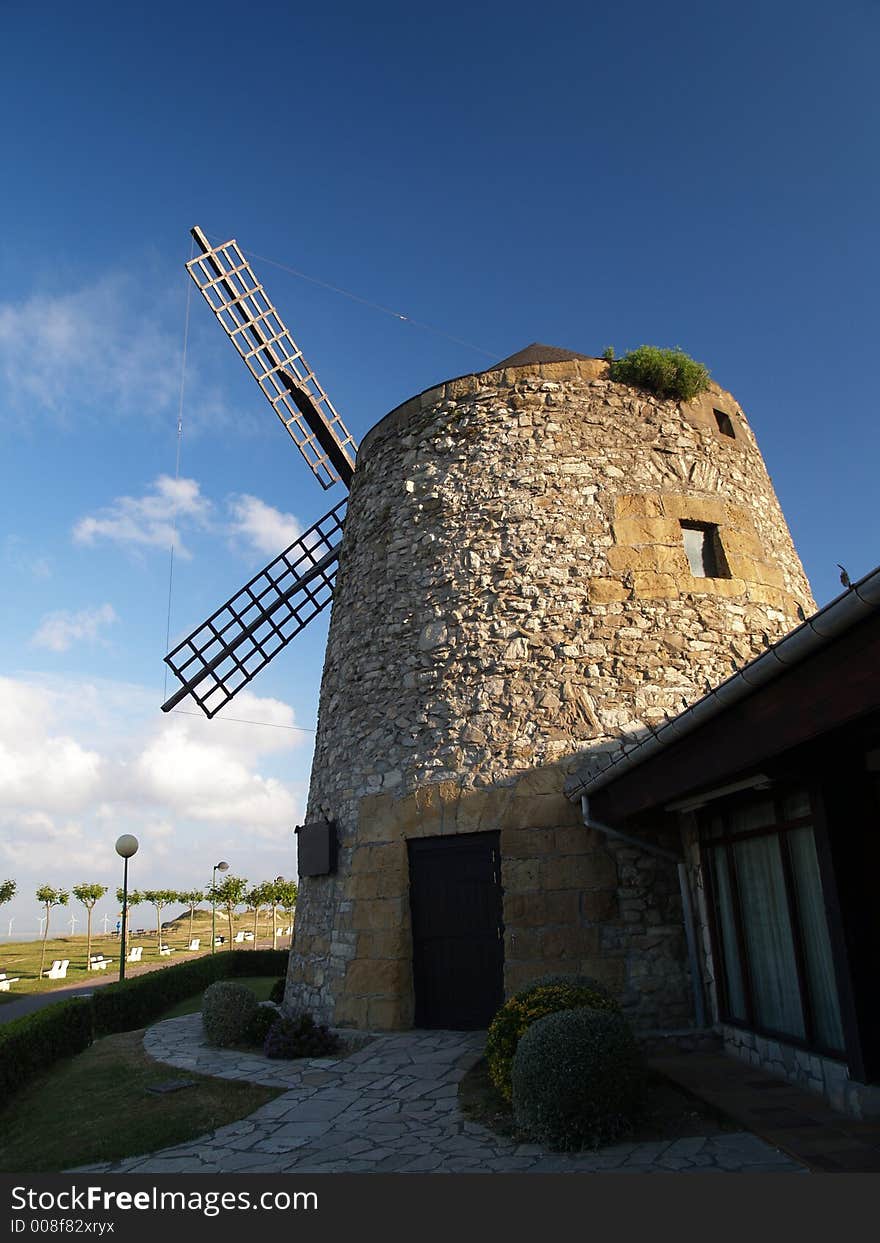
[230,647]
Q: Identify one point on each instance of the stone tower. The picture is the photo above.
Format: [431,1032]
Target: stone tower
[538,562]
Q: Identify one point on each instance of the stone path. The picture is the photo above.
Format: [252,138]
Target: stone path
[392,1107]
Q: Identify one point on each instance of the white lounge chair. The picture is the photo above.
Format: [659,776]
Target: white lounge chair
[58,970]
[6,980]
[247,936]
[194,944]
[288,930]
[239,937]
[219,940]
[98,962]
[135,954]
[165,950]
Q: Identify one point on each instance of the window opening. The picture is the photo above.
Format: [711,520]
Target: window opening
[702,545]
[725,423]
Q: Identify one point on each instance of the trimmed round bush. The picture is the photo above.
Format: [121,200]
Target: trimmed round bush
[277,993]
[668,373]
[228,1009]
[578,1079]
[516,1016]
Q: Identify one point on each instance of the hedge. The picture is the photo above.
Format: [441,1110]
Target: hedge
[32,1044]
[130,1004]
[35,1042]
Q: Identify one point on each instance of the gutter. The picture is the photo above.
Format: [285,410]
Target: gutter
[857,603]
[686,905]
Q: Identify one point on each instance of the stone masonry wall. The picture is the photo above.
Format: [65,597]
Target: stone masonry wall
[513,593]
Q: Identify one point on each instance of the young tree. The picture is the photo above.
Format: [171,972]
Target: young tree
[135,898]
[229,893]
[191,898]
[49,897]
[282,893]
[257,898]
[289,892]
[88,895]
[159,898]
[7,891]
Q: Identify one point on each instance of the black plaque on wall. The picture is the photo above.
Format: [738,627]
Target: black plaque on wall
[316,848]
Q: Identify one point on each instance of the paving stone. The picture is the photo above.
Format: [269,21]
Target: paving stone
[393,1106]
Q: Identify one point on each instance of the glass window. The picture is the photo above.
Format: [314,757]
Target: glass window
[770,926]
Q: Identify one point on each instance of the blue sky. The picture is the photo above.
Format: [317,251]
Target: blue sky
[689,174]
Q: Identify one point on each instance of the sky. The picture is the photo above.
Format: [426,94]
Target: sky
[428,190]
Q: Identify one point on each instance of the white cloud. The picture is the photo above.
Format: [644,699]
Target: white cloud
[58,631]
[266,529]
[41,769]
[107,349]
[83,761]
[151,520]
[155,520]
[19,558]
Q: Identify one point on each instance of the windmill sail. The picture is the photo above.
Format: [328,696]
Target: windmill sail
[251,322]
[241,637]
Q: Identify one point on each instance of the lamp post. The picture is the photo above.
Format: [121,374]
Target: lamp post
[218,867]
[126,846]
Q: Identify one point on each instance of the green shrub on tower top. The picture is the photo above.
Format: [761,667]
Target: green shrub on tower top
[668,373]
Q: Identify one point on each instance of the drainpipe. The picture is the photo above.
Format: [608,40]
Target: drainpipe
[687,908]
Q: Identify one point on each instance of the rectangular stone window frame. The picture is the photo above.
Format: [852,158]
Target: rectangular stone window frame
[703,549]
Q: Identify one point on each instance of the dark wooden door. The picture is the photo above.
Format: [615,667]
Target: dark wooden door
[458,934]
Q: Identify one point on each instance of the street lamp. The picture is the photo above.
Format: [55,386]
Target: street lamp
[126,846]
[218,867]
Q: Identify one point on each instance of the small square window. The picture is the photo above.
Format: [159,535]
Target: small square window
[702,546]
[725,423]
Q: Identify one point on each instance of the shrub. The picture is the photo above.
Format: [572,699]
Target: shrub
[299,1037]
[542,997]
[133,1003]
[228,1009]
[31,1044]
[575,981]
[277,993]
[578,1079]
[261,1022]
[668,373]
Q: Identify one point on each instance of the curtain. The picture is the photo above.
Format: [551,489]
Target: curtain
[736,1003]
[814,934]
[768,935]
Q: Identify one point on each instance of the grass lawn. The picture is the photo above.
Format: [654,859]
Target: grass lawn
[670,1113]
[96,1107]
[22,958]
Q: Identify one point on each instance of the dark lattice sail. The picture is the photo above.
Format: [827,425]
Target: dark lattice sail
[227,650]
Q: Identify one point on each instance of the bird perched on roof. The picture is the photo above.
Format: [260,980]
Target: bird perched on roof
[844,577]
